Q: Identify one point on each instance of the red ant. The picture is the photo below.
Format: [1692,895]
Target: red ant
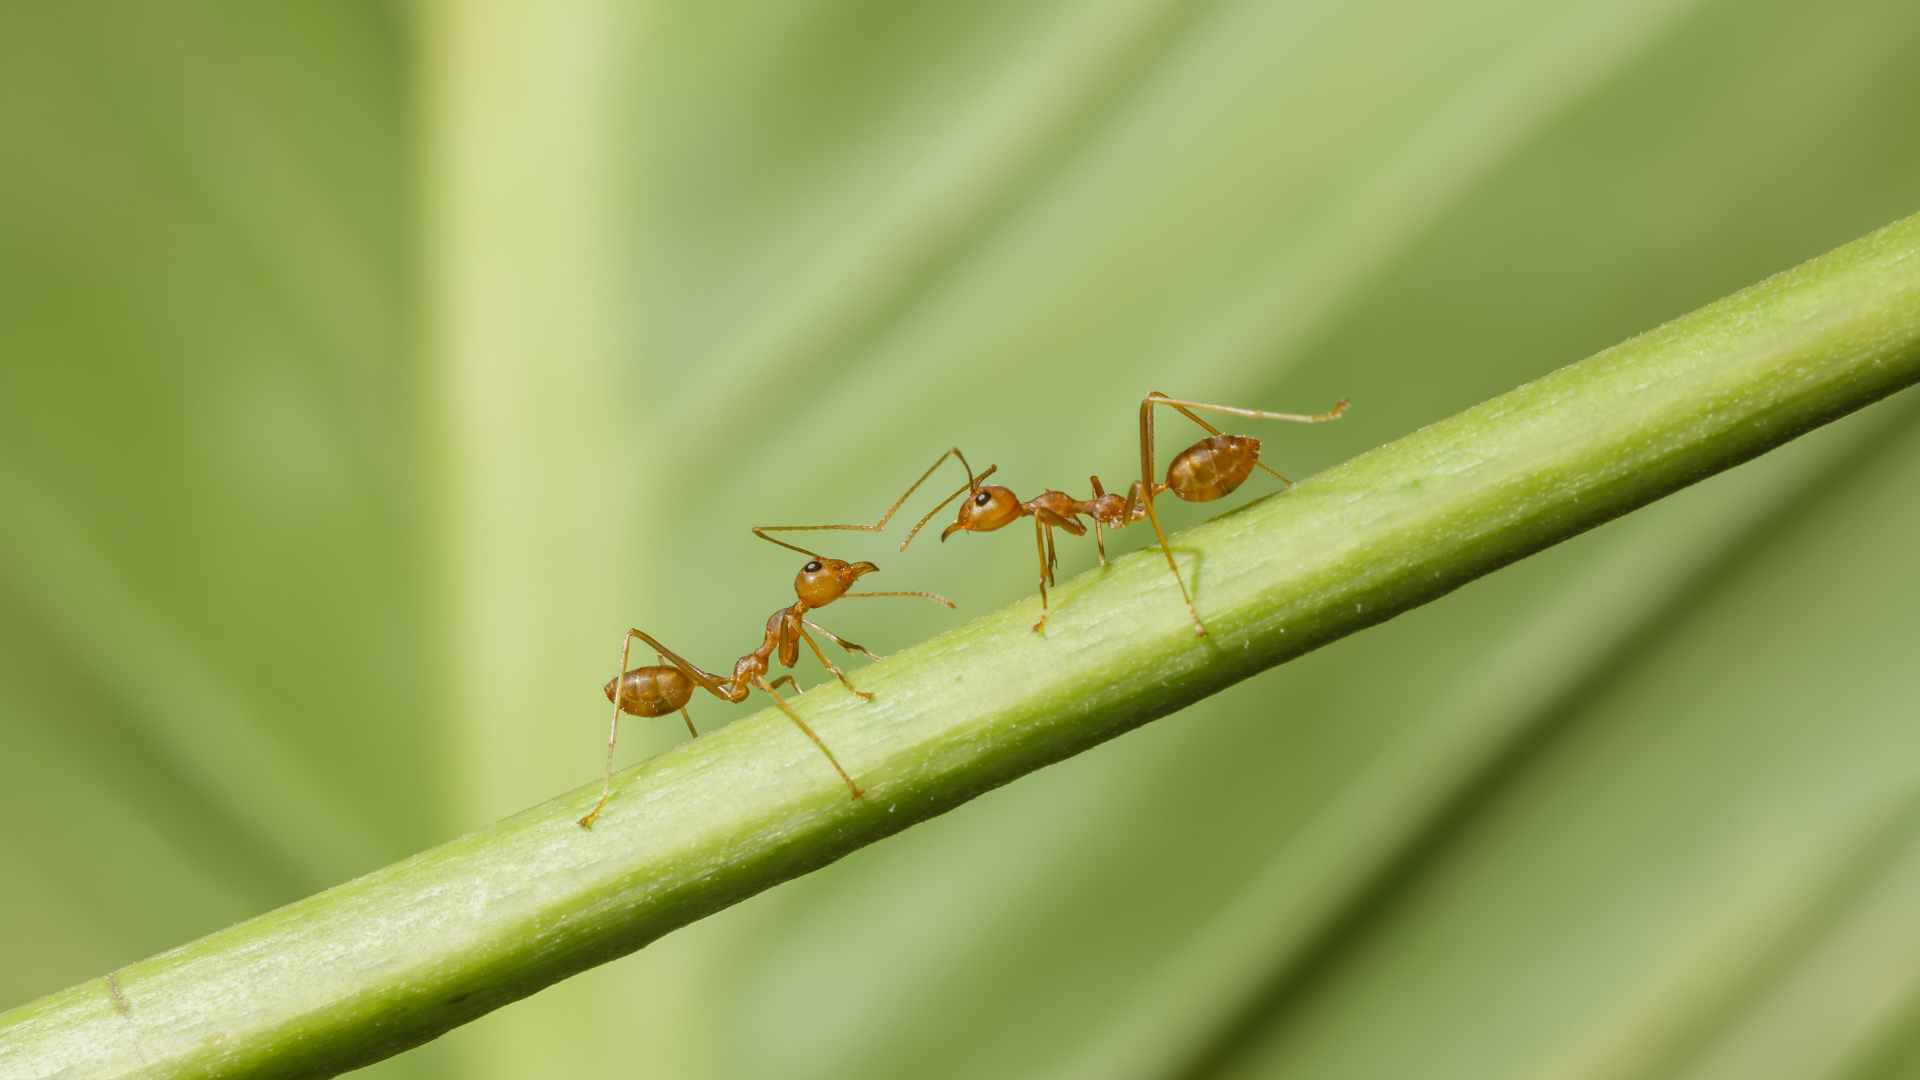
[659,689]
[1209,469]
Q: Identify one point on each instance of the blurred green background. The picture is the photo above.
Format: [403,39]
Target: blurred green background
[369,368]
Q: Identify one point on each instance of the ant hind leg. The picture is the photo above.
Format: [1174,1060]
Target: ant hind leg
[606,782]
[613,733]
[705,679]
[1185,408]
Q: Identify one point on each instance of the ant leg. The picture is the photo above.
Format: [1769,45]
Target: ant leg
[761,531]
[789,679]
[1099,540]
[1044,522]
[1185,408]
[1142,495]
[708,680]
[606,782]
[761,682]
[613,732]
[1199,628]
[1146,448]
[1040,544]
[850,646]
[1056,521]
[837,673]
[1148,489]
[705,679]
[1195,417]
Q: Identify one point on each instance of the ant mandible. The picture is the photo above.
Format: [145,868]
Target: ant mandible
[666,687]
[1209,469]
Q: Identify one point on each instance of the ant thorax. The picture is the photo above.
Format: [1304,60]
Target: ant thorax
[1111,509]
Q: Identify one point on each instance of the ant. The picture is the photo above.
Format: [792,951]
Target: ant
[1209,469]
[666,687]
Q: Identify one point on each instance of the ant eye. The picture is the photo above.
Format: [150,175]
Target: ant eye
[982,499]
[812,567]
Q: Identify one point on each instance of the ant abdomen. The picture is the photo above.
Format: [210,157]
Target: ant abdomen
[1212,468]
[652,691]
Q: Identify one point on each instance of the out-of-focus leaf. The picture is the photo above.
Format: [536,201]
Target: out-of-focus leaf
[1843,994]
[1640,873]
[211,552]
[534,407]
[379,375]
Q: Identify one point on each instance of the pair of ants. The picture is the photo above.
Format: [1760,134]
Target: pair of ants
[1210,469]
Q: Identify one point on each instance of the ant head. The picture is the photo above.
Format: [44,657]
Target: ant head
[989,507]
[822,581]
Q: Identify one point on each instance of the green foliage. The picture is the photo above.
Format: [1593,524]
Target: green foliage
[366,378]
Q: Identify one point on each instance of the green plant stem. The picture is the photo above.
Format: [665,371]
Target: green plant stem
[396,957]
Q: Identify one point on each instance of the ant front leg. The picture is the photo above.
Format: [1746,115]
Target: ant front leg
[1044,522]
[1040,545]
[850,646]
[1100,504]
[829,665]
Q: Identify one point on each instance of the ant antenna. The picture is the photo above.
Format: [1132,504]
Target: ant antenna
[761,531]
[973,485]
